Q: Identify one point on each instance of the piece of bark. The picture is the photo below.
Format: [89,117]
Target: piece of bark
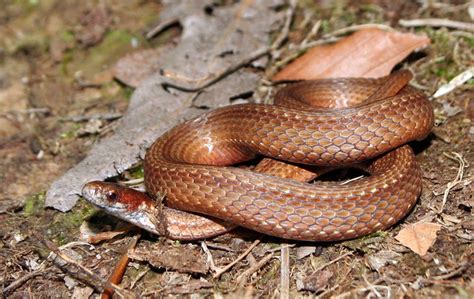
[182,258]
[135,67]
[369,53]
[153,110]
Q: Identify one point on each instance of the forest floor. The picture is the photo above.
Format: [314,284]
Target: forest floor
[56,60]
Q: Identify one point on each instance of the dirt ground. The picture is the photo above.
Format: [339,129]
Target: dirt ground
[55,67]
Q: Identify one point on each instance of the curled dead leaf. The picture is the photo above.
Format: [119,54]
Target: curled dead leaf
[367,53]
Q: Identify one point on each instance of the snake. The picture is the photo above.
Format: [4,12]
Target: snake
[199,186]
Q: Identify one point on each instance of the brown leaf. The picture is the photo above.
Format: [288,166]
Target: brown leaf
[419,237]
[379,259]
[137,66]
[367,53]
[315,282]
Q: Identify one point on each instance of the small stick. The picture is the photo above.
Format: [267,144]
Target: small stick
[139,276]
[80,118]
[119,271]
[81,273]
[133,182]
[353,28]
[333,261]
[457,271]
[280,247]
[220,247]
[285,273]
[20,281]
[437,23]
[210,259]
[242,277]
[238,259]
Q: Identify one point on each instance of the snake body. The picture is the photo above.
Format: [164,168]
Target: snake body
[355,121]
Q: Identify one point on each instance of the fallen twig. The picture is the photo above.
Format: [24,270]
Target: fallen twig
[119,270]
[437,23]
[219,272]
[454,83]
[210,259]
[453,273]
[353,28]
[20,281]
[81,273]
[243,277]
[459,177]
[80,118]
[333,261]
[285,272]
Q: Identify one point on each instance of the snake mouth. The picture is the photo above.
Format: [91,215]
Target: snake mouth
[93,193]
[113,199]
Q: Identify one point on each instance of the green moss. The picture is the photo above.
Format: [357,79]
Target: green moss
[469,41]
[127,92]
[26,6]
[67,37]
[137,172]
[115,44]
[34,204]
[65,226]
[72,132]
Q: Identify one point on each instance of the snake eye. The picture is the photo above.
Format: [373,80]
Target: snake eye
[112,196]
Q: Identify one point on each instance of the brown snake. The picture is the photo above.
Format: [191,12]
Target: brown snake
[189,164]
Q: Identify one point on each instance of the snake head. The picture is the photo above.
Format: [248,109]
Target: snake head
[125,203]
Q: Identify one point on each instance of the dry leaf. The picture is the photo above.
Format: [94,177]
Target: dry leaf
[314,282]
[419,237]
[367,53]
[379,259]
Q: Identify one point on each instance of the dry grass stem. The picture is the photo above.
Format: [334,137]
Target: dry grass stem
[437,23]
[458,179]
[285,272]
[219,272]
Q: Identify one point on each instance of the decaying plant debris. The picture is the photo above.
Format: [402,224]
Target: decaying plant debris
[58,98]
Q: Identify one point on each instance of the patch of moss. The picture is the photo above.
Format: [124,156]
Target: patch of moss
[27,6]
[136,172]
[34,204]
[115,44]
[469,41]
[72,132]
[65,226]
[127,92]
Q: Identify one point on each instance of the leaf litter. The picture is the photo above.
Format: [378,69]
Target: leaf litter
[420,277]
